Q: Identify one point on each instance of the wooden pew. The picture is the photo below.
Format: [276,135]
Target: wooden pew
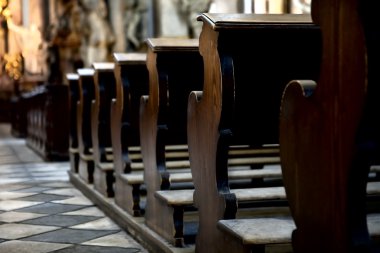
[47,135]
[175,69]
[105,91]
[131,83]
[87,94]
[73,80]
[248,60]
[329,133]
[34,101]
[169,169]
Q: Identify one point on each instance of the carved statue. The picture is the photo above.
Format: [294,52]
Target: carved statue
[190,10]
[98,33]
[32,47]
[301,6]
[135,23]
[65,40]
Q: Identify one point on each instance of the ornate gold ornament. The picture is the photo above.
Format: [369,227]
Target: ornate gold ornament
[13,65]
[4,10]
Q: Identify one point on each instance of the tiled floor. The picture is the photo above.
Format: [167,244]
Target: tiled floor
[40,211]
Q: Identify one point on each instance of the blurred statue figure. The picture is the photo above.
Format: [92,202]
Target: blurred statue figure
[65,40]
[135,22]
[32,46]
[301,6]
[97,31]
[190,10]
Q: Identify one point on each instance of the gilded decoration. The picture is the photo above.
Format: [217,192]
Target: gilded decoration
[11,63]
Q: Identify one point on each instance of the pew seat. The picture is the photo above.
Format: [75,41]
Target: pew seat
[175,202]
[185,197]
[136,179]
[257,234]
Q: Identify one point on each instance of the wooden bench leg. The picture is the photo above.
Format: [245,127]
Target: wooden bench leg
[130,199]
[137,211]
[178,226]
[104,182]
[110,180]
[86,170]
[74,162]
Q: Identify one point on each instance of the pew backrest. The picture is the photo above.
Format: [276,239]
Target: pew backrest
[248,60]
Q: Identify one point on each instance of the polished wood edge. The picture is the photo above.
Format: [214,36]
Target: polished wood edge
[173,44]
[86,72]
[104,66]
[220,21]
[72,76]
[129,58]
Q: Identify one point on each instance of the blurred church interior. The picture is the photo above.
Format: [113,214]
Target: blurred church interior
[41,40]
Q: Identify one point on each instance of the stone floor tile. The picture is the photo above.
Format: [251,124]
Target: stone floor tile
[61,220]
[100,224]
[18,175]
[16,168]
[17,231]
[81,200]
[45,166]
[14,195]
[43,197]
[56,177]
[4,151]
[50,208]
[120,239]
[67,235]
[30,247]
[11,216]
[91,211]
[58,204]
[34,189]
[4,181]
[63,184]
[8,160]
[55,174]
[97,249]
[8,205]
[12,187]
[65,191]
